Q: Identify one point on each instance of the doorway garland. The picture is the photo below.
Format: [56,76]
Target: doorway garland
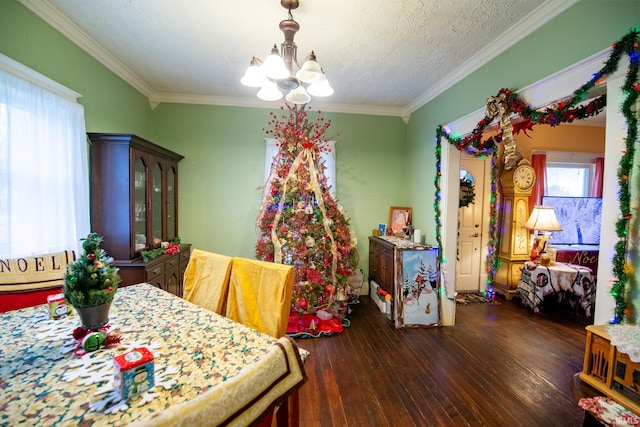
[565,111]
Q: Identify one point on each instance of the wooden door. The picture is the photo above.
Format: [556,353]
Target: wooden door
[470,228]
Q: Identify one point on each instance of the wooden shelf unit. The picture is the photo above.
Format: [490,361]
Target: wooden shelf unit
[606,369]
[381,263]
[134,206]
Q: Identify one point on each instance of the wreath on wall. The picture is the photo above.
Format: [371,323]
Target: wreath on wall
[565,111]
[467,193]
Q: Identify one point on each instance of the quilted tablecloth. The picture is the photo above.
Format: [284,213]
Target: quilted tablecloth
[538,281]
[222,372]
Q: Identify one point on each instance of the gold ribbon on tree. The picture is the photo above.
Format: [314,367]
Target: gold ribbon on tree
[305,156]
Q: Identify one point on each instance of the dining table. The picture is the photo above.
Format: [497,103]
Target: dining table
[208,370]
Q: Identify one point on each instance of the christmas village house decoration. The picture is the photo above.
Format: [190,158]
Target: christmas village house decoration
[506,103]
[301,224]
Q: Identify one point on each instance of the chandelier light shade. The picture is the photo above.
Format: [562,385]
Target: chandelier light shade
[280,70]
[254,77]
[320,89]
[298,96]
[269,91]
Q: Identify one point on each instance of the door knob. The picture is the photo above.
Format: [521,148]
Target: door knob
[475,235]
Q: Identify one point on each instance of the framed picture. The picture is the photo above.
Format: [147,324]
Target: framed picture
[399,218]
[383,229]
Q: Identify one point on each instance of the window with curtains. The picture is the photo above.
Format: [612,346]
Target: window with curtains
[569,179]
[44,180]
[329,158]
[572,174]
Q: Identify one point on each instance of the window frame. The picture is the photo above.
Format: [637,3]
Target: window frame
[329,157]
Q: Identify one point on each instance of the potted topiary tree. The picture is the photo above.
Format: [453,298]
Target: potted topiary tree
[90,283]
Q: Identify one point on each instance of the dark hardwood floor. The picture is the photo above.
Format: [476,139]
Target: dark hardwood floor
[500,365]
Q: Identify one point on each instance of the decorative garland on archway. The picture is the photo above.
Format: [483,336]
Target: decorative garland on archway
[565,111]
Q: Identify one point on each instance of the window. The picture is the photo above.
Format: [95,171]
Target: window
[570,174]
[44,180]
[328,157]
[569,179]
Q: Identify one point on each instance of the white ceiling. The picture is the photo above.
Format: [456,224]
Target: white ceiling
[382,57]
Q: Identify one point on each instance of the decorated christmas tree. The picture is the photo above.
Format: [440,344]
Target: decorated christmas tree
[91,280]
[300,223]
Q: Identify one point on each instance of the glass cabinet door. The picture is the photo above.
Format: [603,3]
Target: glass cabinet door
[140,204]
[172,215]
[156,200]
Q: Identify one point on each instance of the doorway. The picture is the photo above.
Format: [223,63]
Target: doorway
[473,226]
[542,93]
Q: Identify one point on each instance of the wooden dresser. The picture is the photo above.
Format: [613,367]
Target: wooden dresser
[410,273]
[381,265]
[610,371]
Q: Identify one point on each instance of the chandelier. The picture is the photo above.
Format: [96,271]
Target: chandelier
[276,73]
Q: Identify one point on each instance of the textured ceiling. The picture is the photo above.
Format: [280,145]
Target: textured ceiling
[381,57]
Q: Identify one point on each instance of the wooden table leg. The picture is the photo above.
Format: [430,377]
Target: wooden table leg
[288,414]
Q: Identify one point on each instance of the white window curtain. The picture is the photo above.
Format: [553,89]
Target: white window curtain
[329,157]
[44,179]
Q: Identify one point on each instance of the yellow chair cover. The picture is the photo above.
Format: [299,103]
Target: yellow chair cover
[260,295]
[206,280]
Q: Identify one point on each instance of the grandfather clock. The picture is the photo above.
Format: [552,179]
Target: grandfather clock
[513,248]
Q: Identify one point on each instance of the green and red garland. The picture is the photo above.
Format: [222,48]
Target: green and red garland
[563,112]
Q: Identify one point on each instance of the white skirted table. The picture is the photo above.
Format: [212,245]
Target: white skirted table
[209,369]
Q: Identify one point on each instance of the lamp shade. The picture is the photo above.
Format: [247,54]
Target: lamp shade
[320,89]
[543,218]
[269,92]
[311,72]
[298,96]
[273,66]
[253,77]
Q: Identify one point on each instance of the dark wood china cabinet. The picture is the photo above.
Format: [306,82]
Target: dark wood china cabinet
[134,206]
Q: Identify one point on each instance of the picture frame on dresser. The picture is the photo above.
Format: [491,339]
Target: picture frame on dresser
[399,218]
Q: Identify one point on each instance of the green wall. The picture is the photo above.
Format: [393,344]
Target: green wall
[223,170]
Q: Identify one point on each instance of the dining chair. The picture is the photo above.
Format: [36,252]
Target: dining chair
[28,281]
[206,280]
[260,295]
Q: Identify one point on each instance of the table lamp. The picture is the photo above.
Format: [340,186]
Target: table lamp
[543,218]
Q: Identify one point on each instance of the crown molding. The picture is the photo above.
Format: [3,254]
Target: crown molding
[509,38]
[62,24]
[180,98]
[549,10]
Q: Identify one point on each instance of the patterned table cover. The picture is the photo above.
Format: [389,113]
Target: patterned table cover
[226,373]
[537,281]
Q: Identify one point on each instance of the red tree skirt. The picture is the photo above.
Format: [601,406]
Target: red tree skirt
[311,326]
